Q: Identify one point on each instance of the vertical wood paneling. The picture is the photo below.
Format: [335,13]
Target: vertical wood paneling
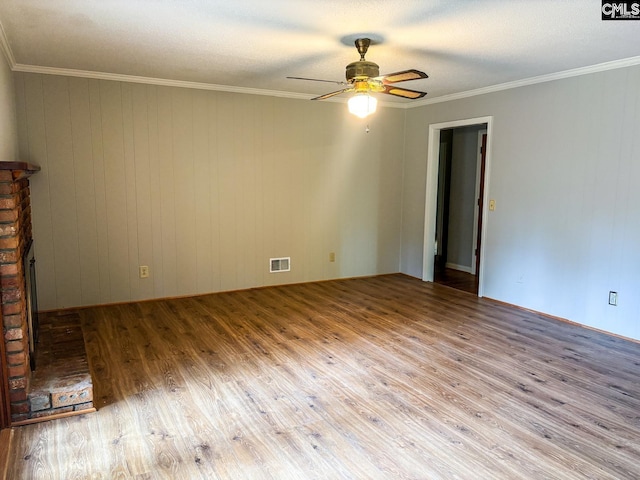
[247,178]
[21,117]
[329,188]
[312,215]
[389,221]
[229,186]
[143,202]
[262,112]
[185,201]
[89,274]
[355,218]
[294,169]
[111,105]
[129,179]
[214,120]
[203,187]
[270,124]
[9,143]
[203,254]
[99,186]
[282,183]
[167,193]
[63,198]
[157,263]
[255,205]
[40,190]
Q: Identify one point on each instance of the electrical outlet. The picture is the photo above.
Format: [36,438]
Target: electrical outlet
[332,256]
[613,298]
[144,271]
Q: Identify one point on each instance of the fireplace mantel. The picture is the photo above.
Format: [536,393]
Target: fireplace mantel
[20,169]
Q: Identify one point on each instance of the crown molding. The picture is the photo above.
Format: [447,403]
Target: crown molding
[6,48]
[68,72]
[18,67]
[576,72]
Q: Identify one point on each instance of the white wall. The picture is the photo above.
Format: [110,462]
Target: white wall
[8,131]
[565,166]
[203,187]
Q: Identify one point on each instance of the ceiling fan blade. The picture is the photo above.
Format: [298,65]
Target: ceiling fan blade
[403,76]
[333,94]
[403,92]
[318,80]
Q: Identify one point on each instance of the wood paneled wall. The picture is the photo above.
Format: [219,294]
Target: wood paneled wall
[203,187]
[8,131]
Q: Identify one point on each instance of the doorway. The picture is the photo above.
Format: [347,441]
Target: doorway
[457,184]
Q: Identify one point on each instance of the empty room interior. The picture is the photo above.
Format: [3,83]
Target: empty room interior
[319,240]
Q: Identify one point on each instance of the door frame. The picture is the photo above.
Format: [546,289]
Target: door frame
[431,195]
[480,170]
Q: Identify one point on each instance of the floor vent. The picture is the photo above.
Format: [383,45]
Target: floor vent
[279,264]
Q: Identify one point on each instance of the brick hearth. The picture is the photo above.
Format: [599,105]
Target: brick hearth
[61,383]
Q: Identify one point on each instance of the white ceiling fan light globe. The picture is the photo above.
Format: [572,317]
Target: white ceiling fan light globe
[362,105]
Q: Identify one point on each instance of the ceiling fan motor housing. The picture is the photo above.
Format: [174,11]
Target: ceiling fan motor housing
[362,69]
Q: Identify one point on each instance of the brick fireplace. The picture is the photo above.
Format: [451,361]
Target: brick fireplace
[15,236]
[61,385]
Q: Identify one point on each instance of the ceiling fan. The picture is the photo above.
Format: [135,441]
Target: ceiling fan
[363,77]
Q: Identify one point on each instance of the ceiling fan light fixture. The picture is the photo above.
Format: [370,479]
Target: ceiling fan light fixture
[363,77]
[362,105]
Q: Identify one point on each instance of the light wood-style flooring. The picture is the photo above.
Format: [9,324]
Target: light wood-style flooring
[374,378]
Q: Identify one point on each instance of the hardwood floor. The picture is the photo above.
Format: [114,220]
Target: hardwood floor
[6,436]
[457,279]
[374,378]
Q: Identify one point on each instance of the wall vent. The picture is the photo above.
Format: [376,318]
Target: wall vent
[279,264]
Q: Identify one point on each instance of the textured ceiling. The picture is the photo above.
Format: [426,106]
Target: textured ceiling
[463,45]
